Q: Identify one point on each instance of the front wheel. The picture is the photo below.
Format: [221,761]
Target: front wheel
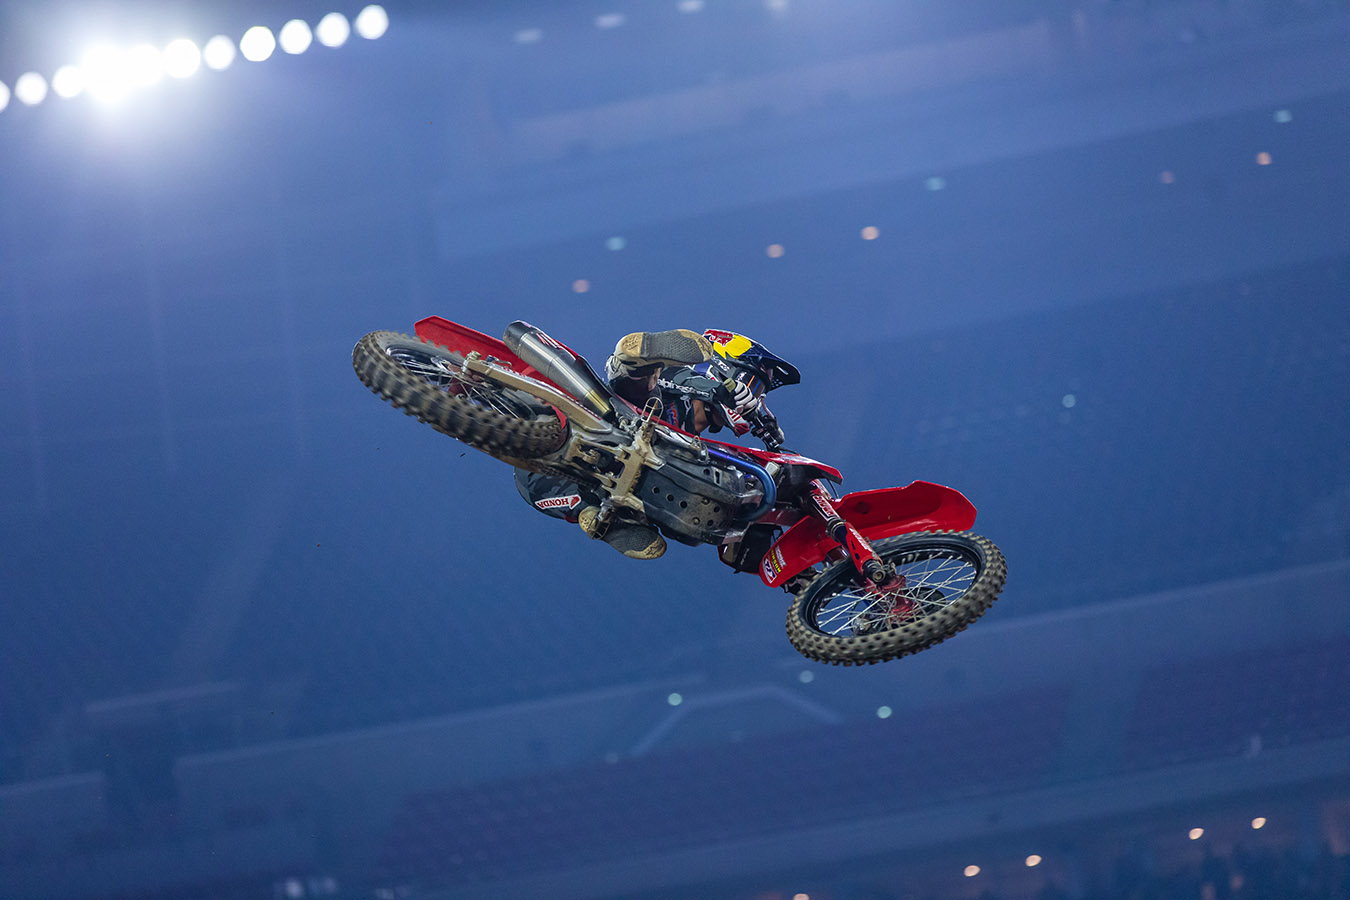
[947,580]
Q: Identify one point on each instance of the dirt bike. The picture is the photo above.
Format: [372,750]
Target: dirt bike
[874,575]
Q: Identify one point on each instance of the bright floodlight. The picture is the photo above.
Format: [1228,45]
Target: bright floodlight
[145,65]
[257,44]
[4,95]
[295,36]
[372,22]
[218,52]
[182,58]
[333,30]
[68,81]
[31,89]
[107,73]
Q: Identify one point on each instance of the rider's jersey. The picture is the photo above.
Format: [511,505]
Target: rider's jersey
[676,390]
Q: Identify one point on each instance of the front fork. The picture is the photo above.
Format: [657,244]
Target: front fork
[880,575]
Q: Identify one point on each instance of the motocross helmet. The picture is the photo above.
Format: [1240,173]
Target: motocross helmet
[748,362]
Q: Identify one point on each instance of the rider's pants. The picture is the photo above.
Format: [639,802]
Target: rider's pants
[552,495]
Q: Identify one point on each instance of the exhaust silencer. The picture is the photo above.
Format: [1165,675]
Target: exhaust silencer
[560,365]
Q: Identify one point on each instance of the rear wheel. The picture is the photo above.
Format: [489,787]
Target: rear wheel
[948,580]
[429,382]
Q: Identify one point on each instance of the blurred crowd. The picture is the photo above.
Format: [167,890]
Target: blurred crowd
[1259,874]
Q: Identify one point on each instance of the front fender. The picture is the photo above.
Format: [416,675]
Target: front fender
[882,513]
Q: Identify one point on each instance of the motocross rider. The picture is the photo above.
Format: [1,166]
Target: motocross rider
[707,381]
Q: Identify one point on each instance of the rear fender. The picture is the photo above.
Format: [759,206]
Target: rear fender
[460,339]
[883,513]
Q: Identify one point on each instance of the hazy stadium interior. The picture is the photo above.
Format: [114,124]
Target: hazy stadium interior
[1087,261]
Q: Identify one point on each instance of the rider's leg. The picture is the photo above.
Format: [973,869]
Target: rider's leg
[551,495]
[564,499]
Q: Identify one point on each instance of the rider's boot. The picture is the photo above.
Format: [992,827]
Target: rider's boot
[633,541]
[642,349]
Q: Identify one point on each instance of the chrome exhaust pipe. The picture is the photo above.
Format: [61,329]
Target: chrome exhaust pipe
[561,366]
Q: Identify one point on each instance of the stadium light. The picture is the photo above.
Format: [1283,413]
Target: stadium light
[108,72]
[68,82]
[218,53]
[333,30]
[30,89]
[257,44]
[295,36]
[107,75]
[182,59]
[372,22]
[145,65]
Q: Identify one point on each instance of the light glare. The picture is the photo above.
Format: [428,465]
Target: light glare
[690,6]
[883,712]
[295,36]
[182,58]
[1259,822]
[257,44]
[972,871]
[145,65]
[333,30]
[675,699]
[106,73]
[1196,833]
[4,96]
[1033,861]
[218,53]
[773,251]
[372,22]
[31,89]
[68,81]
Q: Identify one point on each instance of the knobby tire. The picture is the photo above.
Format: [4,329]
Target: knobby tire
[909,635]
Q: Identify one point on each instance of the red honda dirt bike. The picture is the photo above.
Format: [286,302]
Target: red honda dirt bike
[875,575]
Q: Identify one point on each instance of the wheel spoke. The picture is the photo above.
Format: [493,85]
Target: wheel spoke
[442,373]
[932,583]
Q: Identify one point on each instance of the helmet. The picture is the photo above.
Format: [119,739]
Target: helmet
[753,358]
[748,362]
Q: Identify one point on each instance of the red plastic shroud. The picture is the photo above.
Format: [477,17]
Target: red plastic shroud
[883,513]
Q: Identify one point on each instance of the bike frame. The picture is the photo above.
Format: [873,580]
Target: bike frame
[824,528]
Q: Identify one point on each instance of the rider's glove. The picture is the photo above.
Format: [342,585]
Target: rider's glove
[743,400]
[765,427]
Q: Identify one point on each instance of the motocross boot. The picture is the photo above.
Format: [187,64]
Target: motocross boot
[633,541]
[643,349]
